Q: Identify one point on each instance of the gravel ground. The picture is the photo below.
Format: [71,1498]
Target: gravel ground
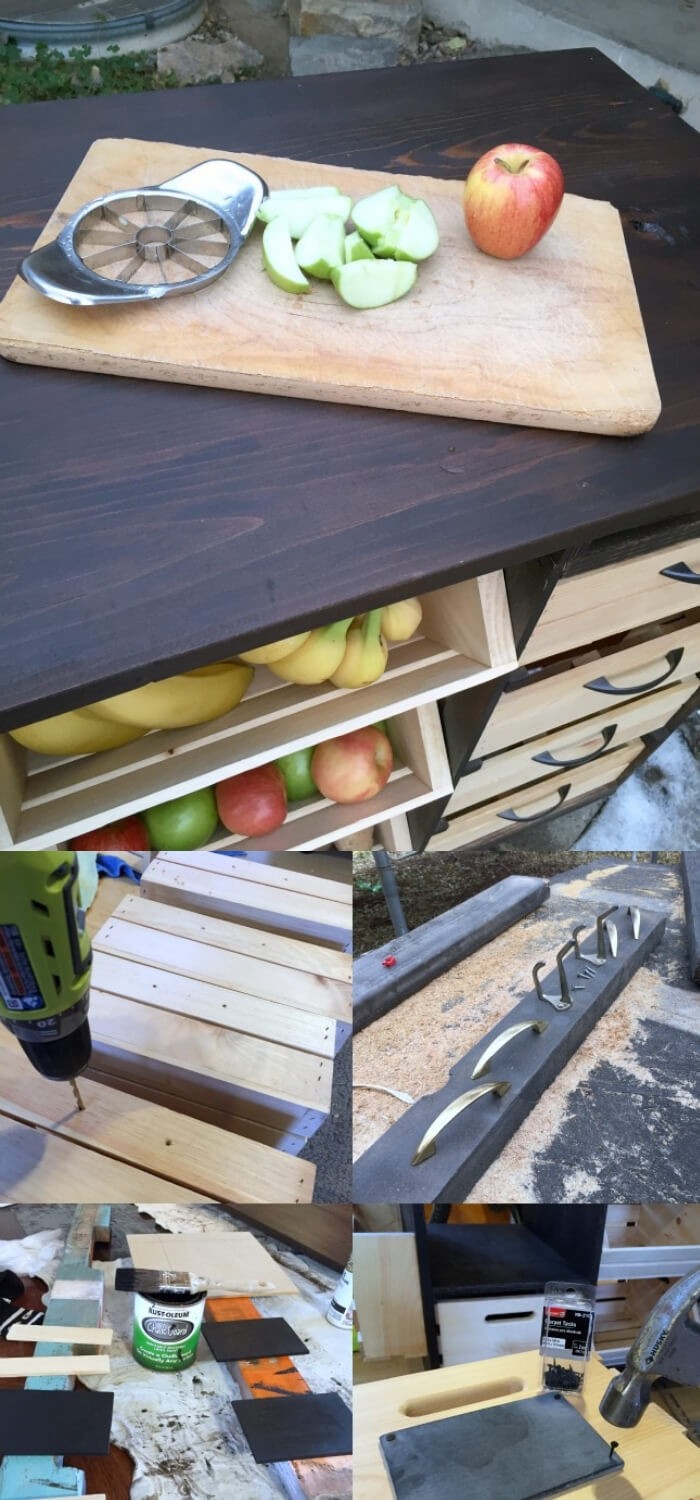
[432,883]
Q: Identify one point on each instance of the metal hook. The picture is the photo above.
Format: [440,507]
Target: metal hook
[636,917]
[563,976]
[601,925]
[555,1000]
[427,1147]
[611,930]
[588,958]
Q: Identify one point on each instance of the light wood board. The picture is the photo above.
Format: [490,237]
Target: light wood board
[236,1256]
[39,1168]
[23,1367]
[554,339]
[262,895]
[187,1152]
[56,1333]
[387,1296]
[660,1463]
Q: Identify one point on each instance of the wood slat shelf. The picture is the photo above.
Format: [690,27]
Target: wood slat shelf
[467,639]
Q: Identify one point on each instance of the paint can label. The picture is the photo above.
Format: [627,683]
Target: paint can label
[166,1334]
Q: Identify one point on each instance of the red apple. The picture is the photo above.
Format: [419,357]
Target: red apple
[130,834]
[510,198]
[353,767]
[254,802]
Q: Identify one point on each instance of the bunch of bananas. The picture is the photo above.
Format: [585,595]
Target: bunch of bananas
[175,703]
[350,653]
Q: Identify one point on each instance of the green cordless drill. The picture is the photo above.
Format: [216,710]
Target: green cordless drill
[45,963]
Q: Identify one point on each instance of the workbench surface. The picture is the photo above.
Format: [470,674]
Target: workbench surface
[149,528]
[619,1123]
[660,1462]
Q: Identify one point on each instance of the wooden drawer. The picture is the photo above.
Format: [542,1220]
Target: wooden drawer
[484,1327]
[468,639]
[594,739]
[563,693]
[532,803]
[587,606]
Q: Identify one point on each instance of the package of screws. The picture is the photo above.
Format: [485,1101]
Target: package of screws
[567,1336]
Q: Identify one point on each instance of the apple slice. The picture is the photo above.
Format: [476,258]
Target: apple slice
[279,259]
[356,248]
[321,248]
[396,225]
[373,283]
[300,209]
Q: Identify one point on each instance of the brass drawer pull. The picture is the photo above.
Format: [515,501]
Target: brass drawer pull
[681,573]
[602,685]
[514,817]
[484,1064]
[427,1145]
[546,759]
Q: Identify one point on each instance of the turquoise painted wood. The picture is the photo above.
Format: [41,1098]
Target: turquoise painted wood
[43,1478]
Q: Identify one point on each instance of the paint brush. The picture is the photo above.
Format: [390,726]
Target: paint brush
[149,1283]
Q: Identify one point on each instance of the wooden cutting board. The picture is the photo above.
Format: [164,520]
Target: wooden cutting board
[555,339]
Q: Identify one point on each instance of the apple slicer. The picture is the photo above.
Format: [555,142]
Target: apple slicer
[152,242]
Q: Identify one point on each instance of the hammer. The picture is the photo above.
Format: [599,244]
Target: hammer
[668,1344]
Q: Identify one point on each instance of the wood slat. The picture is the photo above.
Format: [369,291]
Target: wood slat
[46,1169]
[276,878]
[54,1364]
[388,1296]
[202,1001]
[146,1136]
[262,1067]
[56,1333]
[223,894]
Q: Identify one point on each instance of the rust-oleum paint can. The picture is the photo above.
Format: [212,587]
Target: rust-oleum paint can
[167,1328]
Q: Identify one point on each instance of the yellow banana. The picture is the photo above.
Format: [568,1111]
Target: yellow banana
[176,702]
[78,732]
[400,621]
[365,654]
[261,655]
[318,658]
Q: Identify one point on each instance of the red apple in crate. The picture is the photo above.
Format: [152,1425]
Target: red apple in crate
[353,767]
[510,198]
[254,802]
[130,834]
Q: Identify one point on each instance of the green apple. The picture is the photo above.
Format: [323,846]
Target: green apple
[300,209]
[373,283]
[296,774]
[279,259]
[185,823]
[397,225]
[321,248]
[356,248]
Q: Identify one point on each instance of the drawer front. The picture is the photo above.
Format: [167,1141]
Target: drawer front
[531,804]
[485,1327]
[580,691]
[592,740]
[591,605]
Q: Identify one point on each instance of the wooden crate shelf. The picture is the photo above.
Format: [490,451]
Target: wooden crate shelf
[646,1246]
[467,639]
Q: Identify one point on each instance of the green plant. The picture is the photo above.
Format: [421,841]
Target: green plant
[50,75]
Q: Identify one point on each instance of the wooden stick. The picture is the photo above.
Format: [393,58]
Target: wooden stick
[55,1364]
[53,1333]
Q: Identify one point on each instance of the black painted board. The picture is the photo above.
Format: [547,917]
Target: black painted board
[525,1450]
[530,1063]
[254,1338]
[50,1422]
[282,1428]
[690,866]
[427,951]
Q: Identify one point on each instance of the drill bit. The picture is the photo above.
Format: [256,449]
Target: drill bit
[76,1091]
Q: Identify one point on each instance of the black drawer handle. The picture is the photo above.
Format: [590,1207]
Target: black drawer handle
[681,573]
[545,759]
[601,684]
[513,817]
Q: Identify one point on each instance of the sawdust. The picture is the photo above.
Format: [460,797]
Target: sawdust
[580,887]
[647,997]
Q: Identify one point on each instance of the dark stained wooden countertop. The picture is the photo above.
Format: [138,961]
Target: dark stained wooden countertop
[148,528]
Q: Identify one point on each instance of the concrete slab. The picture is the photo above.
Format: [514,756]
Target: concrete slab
[339,54]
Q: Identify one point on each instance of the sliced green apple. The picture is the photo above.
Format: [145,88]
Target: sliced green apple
[397,225]
[300,209]
[373,283]
[356,248]
[321,248]
[279,259]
